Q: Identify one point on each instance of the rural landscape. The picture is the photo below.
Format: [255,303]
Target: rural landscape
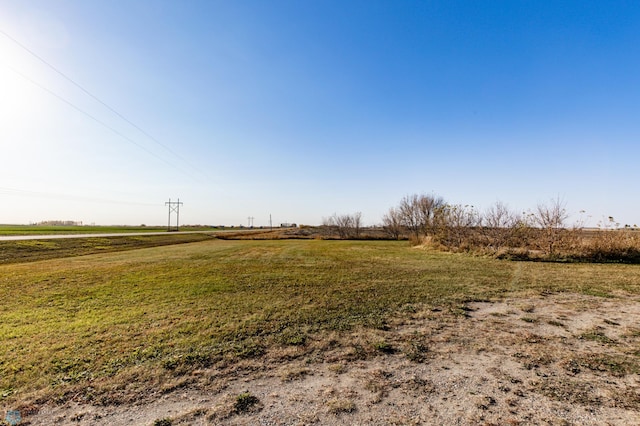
[427,319]
[319,212]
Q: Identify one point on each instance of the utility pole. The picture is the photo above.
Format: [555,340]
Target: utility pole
[270,223]
[174,206]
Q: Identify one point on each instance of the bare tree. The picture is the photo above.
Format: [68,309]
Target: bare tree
[551,219]
[357,223]
[392,222]
[498,216]
[430,208]
[409,214]
[345,225]
[329,225]
[552,215]
[459,223]
[500,224]
[420,213]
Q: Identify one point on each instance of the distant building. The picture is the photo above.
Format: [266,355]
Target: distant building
[288,225]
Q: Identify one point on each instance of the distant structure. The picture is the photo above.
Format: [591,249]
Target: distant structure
[174,206]
[60,223]
[288,225]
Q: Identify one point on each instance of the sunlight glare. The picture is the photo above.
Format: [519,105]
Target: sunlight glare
[20,100]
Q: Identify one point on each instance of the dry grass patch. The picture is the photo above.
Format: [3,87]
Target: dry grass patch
[340,405]
[294,373]
[232,405]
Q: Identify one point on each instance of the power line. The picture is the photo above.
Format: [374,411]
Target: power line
[72,105]
[174,207]
[72,81]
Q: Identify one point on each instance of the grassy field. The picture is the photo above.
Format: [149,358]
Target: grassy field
[32,250]
[97,327]
[52,230]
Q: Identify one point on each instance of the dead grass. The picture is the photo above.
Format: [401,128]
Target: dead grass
[340,405]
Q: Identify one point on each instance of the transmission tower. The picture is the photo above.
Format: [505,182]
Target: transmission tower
[250,218]
[174,206]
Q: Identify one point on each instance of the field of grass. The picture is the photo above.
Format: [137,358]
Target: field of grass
[32,250]
[51,230]
[97,326]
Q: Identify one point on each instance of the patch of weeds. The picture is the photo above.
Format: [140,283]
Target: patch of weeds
[379,382]
[529,320]
[417,351]
[596,335]
[461,310]
[71,377]
[610,322]
[484,402]
[572,366]
[377,322]
[357,352]
[627,399]
[531,362]
[572,391]
[191,417]
[409,308]
[533,338]
[339,405]
[197,360]
[498,314]
[597,293]
[632,332]
[528,308]
[190,360]
[418,384]
[555,323]
[338,368]
[248,349]
[245,402]
[163,422]
[291,337]
[384,347]
[175,384]
[615,365]
[294,374]
[170,363]
[143,354]
[67,366]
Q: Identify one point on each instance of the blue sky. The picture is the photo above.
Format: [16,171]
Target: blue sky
[301,109]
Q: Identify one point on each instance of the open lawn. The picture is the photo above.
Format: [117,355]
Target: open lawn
[119,327]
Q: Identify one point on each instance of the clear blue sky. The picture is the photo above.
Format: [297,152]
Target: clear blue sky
[301,109]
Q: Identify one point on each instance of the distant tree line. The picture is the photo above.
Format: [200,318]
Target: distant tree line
[60,223]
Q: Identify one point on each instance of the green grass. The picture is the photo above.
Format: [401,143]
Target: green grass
[113,318]
[8,230]
[33,250]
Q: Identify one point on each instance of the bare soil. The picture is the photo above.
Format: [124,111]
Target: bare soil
[559,359]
